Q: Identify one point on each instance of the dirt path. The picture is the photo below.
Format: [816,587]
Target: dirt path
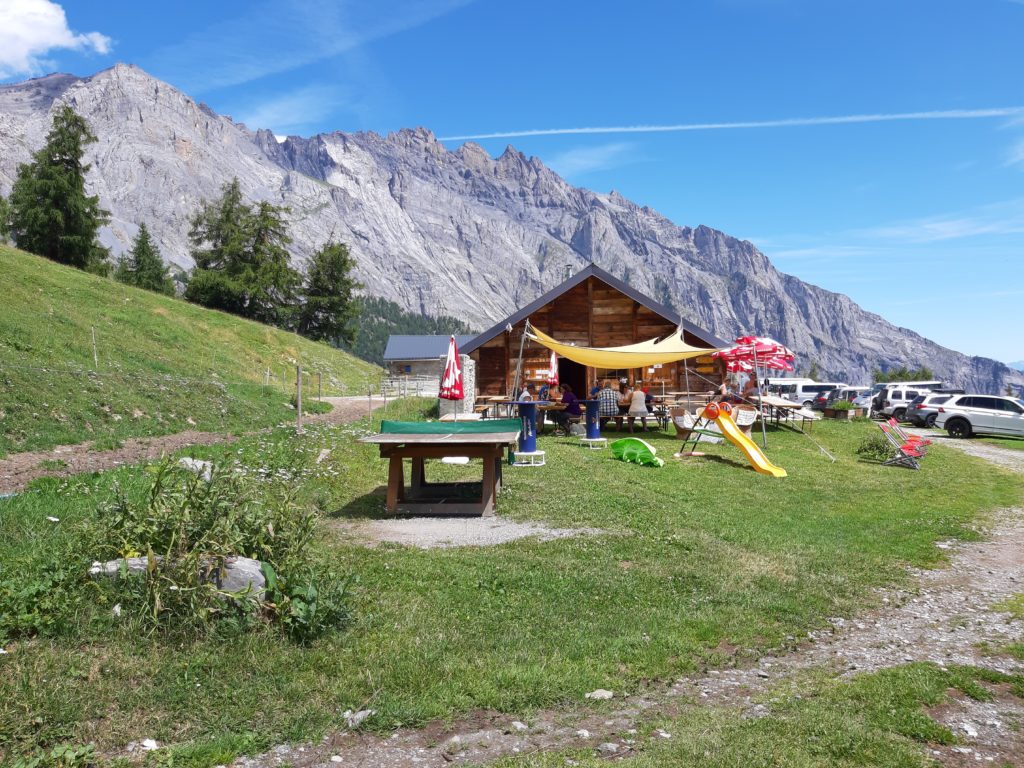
[942,621]
[18,470]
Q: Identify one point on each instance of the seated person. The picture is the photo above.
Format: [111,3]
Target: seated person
[750,389]
[625,396]
[608,403]
[529,391]
[571,410]
[637,408]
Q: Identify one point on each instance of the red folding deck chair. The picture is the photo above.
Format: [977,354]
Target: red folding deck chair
[907,455]
[921,442]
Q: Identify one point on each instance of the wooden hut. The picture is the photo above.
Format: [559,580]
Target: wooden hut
[595,309]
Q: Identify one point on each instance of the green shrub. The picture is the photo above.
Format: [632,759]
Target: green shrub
[187,526]
[875,448]
[60,756]
[305,611]
[842,405]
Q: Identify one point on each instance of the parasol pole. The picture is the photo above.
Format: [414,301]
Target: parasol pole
[760,400]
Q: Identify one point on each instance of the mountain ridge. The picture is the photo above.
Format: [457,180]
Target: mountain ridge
[442,231]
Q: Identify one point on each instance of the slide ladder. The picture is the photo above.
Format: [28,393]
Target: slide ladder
[722,414]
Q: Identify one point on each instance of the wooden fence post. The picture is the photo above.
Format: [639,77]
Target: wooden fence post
[298,399]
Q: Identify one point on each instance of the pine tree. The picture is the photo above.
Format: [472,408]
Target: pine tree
[50,214]
[241,255]
[272,285]
[330,309]
[5,225]
[143,267]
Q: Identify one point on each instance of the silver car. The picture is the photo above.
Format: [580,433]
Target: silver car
[923,409]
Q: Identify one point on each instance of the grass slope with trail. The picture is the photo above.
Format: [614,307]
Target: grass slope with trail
[705,563]
[164,365]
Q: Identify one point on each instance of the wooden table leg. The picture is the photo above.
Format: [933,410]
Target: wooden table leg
[396,483]
[488,488]
[419,473]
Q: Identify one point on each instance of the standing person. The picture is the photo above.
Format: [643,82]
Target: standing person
[637,408]
[571,410]
[608,403]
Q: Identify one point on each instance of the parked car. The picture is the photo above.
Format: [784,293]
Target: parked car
[894,399]
[819,400]
[923,410]
[846,393]
[802,391]
[865,400]
[966,415]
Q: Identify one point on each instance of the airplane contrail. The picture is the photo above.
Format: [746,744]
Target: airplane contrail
[946,114]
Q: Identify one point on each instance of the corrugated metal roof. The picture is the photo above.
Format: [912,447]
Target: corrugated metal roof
[421,347]
[592,271]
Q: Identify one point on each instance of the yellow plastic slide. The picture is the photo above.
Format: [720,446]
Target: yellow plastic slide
[732,433]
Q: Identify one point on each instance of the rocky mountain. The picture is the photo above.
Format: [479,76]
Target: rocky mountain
[446,232]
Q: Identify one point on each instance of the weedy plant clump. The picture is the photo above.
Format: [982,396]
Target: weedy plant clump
[188,526]
[874,448]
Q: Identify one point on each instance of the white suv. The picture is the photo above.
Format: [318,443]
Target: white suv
[965,415]
[895,399]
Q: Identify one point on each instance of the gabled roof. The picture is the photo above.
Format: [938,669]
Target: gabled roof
[421,347]
[591,271]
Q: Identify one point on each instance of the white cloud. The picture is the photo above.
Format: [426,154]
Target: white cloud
[574,162]
[280,35]
[1016,156]
[789,122]
[1005,218]
[30,29]
[292,112]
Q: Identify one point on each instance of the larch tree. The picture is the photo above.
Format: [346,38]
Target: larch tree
[242,261]
[50,213]
[329,306]
[143,266]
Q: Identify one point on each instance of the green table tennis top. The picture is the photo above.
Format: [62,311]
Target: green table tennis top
[449,427]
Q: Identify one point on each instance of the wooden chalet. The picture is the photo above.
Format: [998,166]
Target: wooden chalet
[594,309]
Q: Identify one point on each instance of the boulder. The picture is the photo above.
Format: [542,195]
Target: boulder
[238,574]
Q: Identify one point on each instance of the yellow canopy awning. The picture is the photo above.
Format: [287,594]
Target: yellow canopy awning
[645,353]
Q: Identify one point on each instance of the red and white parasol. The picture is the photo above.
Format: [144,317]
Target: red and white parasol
[451,379]
[760,348]
[553,370]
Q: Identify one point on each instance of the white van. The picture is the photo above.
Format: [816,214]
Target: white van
[801,391]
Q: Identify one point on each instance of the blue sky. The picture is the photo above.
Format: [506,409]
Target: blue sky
[920,218]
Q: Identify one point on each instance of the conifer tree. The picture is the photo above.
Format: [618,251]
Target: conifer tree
[143,267]
[4,219]
[329,308]
[241,255]
[50,214]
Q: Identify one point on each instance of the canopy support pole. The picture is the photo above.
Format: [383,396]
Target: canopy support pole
[514,395]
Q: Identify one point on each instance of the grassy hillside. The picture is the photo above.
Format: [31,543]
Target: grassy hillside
[163,365]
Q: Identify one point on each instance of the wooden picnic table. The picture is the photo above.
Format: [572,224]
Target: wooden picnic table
[486,440]
[781,409]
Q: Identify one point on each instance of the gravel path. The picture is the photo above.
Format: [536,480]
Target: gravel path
[446,532]
[19,469]
[942,621]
